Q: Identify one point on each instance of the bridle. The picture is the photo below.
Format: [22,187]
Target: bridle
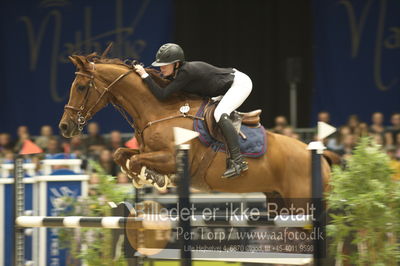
[81,119]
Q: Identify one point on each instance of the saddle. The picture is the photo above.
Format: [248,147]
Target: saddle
[250,119]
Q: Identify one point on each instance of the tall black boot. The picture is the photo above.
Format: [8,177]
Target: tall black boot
[236,163]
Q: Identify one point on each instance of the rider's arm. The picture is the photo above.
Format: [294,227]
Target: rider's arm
[179,83]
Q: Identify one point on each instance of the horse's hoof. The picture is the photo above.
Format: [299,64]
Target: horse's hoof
[164,187]
[160,182]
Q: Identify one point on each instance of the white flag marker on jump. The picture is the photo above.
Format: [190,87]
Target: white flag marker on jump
[325,130]
[183,135]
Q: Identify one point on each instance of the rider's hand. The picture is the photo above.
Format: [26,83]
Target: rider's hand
[140,70]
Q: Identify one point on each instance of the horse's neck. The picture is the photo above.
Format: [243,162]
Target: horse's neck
[130,93]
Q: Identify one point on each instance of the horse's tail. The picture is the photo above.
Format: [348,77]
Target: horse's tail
[332,158]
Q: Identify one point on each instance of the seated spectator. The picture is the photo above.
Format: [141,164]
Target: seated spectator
[324,116]
[378,138]
[345,130]
[45,133]
[94,142]
[288,131]
[335,143]
[22,134]
[393,130]
[8,157]
[6,143]
[397,146]
[65,144]
[110,167]
[280,124]
[107,163]
[53,146]
[377,123]
[76,146]
[362,130]
[115,140]
[349,142]
[394,163]
[353,123]
[22,130]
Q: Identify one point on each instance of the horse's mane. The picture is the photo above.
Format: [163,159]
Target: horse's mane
[156,76]
[114,61]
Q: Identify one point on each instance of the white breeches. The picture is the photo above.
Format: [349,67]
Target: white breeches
[235,96]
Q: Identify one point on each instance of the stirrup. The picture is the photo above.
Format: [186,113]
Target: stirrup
[235,168]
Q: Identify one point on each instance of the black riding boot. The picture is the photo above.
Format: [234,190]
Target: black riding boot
[236,164]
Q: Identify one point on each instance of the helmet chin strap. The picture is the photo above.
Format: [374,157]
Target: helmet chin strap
[176,67]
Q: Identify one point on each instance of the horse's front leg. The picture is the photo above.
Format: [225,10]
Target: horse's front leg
[121,155]
[154,167]
[122,158]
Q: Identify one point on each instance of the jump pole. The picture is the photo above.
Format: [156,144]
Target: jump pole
[319,223]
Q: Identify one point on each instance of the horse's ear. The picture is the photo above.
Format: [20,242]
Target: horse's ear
[73,60]
[90,57]
[77,61]
[104,54]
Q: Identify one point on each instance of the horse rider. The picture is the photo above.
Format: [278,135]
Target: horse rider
[207,80]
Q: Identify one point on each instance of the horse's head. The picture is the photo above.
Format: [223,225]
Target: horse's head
[87,97]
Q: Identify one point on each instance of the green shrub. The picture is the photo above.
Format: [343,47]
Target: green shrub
[365,201]
[93,246]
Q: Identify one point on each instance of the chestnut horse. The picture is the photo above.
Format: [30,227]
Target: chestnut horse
[285,168]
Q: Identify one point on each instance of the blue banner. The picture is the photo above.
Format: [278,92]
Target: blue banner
[38,36]
[54,191]
[356,58]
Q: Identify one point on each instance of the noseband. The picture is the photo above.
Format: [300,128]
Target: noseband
[81,119]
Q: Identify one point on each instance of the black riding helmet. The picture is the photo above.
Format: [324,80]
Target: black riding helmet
[169,53]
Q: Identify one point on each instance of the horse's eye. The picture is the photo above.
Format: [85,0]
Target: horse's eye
[81,87]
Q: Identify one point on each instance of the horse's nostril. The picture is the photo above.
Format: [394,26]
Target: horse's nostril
[63,126]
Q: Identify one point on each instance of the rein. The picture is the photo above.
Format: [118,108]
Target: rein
[82,119]
[185,115]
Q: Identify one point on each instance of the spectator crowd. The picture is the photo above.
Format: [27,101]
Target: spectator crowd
[345,139]
[92,146]
[100,147]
